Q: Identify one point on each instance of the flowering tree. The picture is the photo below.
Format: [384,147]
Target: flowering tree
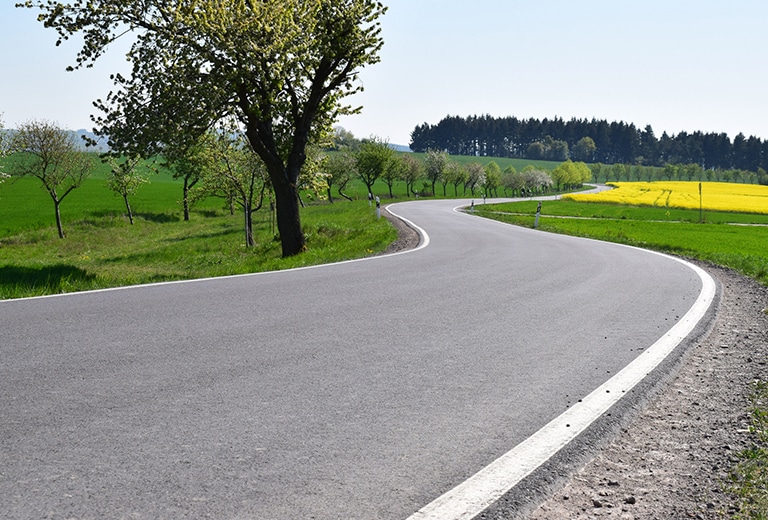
[125,177]
[53,156]
[3,148]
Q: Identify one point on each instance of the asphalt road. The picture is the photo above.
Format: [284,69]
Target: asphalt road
[357,390]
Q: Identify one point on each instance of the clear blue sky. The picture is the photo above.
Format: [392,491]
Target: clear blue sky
[678,65]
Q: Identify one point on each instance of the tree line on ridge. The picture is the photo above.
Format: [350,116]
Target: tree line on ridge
[591,141]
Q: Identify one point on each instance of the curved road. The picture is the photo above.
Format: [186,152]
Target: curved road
[357,390]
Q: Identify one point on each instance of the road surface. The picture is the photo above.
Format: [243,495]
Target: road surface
[359,390]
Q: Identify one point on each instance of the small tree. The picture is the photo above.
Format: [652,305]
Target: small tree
[457,174]
[340,167]
[125,177]
[434,166]
[511,180]
[187,163]
[475,177]
[492,179]
[536,181]
[53,156]
[412,170]
[570,174]
[596,168]
[392,173]
[232,171]
[373,159]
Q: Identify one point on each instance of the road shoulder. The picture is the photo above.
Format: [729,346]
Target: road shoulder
[673,456]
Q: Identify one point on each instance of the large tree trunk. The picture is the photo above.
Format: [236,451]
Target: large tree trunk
[284,179]
[249,242]
[185,200]
[288,218]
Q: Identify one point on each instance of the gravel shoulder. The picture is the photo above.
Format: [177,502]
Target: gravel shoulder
[672,458]
[672,454]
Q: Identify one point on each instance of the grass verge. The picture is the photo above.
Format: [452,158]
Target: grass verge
[106,251]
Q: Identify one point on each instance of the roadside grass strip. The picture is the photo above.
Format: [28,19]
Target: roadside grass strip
[480,491]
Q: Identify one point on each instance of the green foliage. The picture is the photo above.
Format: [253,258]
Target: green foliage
[51,155]
[373,160]
[492,178]
[584,150]
[571,173]
[280,68]
[503,162]
[434,166]
[125,178]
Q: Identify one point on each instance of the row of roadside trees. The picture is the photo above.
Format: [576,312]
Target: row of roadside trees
[374,160]
[221,164]
[669,172]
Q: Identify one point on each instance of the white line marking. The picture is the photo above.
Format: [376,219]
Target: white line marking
[470,498]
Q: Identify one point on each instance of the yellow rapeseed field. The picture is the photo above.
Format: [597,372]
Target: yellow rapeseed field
[715,196]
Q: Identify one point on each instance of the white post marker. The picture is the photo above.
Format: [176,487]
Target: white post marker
[378,207]
[538,212]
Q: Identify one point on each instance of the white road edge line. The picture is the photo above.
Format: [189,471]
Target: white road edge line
[474,495]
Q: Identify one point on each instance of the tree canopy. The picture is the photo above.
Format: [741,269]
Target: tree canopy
[52,155]
[281,67]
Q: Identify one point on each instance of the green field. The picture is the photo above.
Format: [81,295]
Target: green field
[736,240]
[102,249]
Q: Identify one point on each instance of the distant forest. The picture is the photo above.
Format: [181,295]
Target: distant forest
[595,141]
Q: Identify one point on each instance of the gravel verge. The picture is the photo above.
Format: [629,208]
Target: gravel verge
[671,454]
[673,457]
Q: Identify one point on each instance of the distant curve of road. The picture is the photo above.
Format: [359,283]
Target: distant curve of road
[365,389]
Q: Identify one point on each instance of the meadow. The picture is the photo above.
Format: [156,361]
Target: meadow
[103,249]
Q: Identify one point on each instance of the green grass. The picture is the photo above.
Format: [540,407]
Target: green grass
[741,247]
[103,250]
